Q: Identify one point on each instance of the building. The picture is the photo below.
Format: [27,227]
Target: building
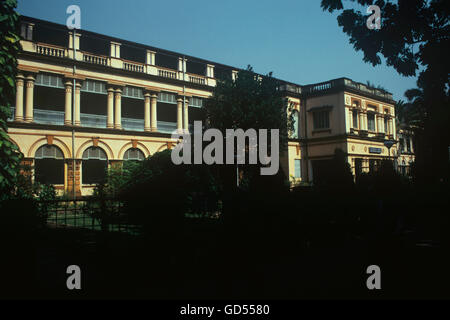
[406,149]
[129,97]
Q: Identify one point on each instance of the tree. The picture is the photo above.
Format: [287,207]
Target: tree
[373,86]
[10,156]
[414,36]
[249,101]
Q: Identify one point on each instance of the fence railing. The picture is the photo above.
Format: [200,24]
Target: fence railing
[91,213]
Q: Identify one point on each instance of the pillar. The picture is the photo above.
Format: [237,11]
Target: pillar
[118,109]
[68,104]
[349,119]
[147,112]
[19,98]
[29,99]
[180,114]
[381,128]
[186,115]
[110,109]
[76,112]
[154,120]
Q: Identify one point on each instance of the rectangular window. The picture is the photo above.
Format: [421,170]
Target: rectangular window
[321,119]
[355,119]
[297,171]
[167,97]
[196,102]
[133,92]
[371,121]
[386,125]
[94,86]
[49,80]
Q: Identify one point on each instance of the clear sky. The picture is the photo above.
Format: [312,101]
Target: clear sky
[293,38]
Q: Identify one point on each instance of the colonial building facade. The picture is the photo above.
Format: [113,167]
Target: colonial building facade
[110,100]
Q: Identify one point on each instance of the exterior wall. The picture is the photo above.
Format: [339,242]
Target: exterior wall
[336,115]
[308,145]
[115,145]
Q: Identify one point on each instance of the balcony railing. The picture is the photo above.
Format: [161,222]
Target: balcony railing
[136,67]
[94,121]
[167,73]
[343,82]
[197,80]
[290,88]
[48,116]
[95,59]
[50,50]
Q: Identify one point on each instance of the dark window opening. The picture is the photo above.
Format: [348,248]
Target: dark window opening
[132,108]
[371,122]
[166,61]
[355,119]
[49,165]
[93,103]
[133,54]
[321,120]
[196,68]
[94,165]
[166,112]
[196,114]
[46,98]
[50,35]
[374,164]
[94,45]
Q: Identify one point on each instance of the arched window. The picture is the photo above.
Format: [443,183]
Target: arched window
[94,165]
[134,154]
[49,165]
[295,133]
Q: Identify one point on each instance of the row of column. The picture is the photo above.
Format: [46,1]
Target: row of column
[114,106]
[363,122]
[20,82]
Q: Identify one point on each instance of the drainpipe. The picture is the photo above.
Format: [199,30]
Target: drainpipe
[306,138]
[73,116]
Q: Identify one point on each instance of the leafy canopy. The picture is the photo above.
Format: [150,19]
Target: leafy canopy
[9,48]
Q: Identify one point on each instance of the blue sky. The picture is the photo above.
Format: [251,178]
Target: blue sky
[294,39]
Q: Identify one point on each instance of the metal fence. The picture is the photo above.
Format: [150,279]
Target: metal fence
[91,213]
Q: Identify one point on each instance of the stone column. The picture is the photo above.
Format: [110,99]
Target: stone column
[118,109]
[68,104]
[180,114]
[365,121]
[186,115]
[361,120]
[29,99]
[154,120]
[147,112]
[19,98]
[349,119]
[77,120]
[381,128]
[110,109]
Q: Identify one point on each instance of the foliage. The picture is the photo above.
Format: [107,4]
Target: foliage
[249,101]
[118,177]
[9,48]
[404,24]
[156,192]
[374,86]
[414,36]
